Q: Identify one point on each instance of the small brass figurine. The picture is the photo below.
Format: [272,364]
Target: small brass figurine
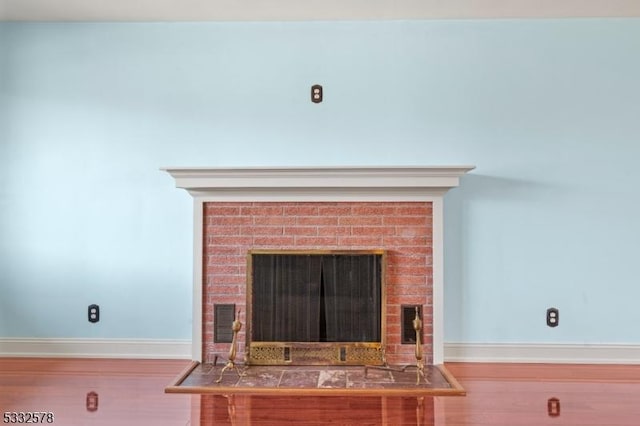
[236,327]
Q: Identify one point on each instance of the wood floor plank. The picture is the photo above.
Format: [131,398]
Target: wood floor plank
[131,392]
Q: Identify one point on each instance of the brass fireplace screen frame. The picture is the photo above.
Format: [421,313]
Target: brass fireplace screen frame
[315,353]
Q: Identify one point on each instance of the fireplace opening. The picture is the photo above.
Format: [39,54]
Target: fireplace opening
[310,308]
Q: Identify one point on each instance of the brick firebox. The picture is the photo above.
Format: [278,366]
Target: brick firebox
[396,209]
[402,229]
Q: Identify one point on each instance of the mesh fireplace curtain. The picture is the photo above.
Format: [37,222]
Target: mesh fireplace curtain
[316,298]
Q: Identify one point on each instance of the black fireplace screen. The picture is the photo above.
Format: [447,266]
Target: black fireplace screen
[316,297]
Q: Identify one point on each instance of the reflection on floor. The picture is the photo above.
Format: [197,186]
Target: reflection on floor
[313,410]
[106,392]
[317,380]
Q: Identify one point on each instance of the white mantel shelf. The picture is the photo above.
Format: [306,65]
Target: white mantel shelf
[314,184]
[199,180]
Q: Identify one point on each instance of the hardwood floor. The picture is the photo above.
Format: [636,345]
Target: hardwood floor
[130,392]
[524,394]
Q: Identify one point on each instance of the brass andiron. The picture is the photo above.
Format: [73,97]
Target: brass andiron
[236,327]
[417,326]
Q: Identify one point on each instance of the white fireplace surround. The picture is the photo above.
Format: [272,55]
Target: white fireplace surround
[309,184]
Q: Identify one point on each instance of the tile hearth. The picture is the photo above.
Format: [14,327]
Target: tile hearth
[317,380]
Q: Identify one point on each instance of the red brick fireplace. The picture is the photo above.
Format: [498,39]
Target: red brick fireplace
[395,209]
[402,229]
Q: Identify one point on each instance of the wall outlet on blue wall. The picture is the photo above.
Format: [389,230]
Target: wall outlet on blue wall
[316,93]
[94,313]
[553,317]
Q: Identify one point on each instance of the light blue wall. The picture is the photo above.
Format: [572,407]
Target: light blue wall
[547,110]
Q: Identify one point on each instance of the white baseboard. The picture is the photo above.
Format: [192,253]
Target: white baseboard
[453,352]
[542,353]
[95,348]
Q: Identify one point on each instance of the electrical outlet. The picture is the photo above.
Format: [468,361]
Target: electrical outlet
[316,93]
[93,313]
[553,317]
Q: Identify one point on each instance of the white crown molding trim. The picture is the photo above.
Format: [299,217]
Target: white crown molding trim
[334,180]
[542,353]
[295,10]
[95,348]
